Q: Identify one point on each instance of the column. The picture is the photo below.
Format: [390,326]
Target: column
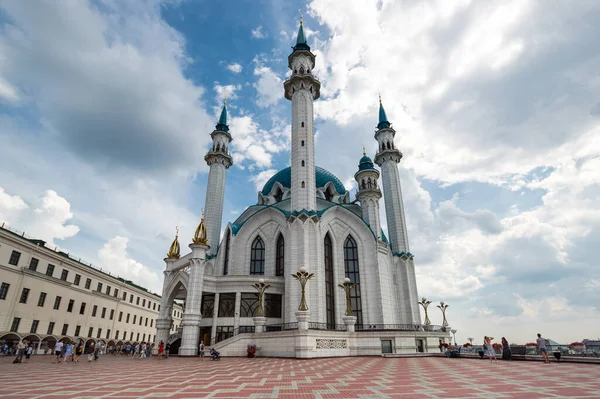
[238,302]
[190,336]
[213,332]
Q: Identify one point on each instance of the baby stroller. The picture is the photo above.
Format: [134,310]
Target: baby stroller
[214,355]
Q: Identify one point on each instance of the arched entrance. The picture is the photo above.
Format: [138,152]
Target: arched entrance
[35,341]
[174,348]
[12,340]
[48,344]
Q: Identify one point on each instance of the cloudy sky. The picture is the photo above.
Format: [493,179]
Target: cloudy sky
[106,109]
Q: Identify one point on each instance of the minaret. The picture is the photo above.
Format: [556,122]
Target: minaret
[302,88]
[218,160]
[369,193]
[388,158]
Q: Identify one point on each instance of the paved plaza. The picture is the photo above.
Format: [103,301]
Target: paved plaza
[365,377]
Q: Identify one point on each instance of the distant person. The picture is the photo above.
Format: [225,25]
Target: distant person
[58,351]
[542,345]
[201,350]
[161,349]
[167,350]
[29,351]
[506,354]
[489,348]
[21,348]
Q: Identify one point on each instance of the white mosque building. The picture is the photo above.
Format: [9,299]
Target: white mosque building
[304,218]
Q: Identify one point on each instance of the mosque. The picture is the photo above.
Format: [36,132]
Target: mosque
[304,219]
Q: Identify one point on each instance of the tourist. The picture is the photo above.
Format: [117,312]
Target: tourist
[161,349]
[29,352]
[90,352]
[69,353]
[506,355]
[489,348]
[201,350]
[542,345]
[21,347]
[58,351]
[78,352]
[143,351]
[167,349]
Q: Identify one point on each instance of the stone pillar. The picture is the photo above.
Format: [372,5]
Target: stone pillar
[165,318]
[190,336]
[259,324]
[238,302]
[303,317]
[350,322]
[213,332]
[162,333]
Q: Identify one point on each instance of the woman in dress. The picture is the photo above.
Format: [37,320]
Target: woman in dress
[69,353]
[506,355]
[161,349]
[489,349]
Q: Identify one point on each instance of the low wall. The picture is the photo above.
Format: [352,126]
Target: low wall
[306,344]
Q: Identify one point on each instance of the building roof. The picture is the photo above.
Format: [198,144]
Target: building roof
[222,124]
[284,177]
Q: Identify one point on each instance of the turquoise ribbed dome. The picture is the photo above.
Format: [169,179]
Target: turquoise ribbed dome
[365,163]
[284,177]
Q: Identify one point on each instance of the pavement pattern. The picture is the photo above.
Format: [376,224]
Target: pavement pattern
[357,377]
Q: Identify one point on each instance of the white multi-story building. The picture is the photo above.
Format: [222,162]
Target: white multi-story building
[304,218]
[47,295]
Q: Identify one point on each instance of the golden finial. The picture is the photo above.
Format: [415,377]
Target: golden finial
[379,97]
[300,12]
[364,151]
[200,234]
[225,100]
[174,252]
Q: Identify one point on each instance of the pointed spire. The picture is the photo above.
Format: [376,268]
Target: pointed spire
[200,233]
[301,39]
[383,121]
[364,151]
[222,124]
[174,251]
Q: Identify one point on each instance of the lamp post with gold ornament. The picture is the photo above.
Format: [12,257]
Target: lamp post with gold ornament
[260,319]
[303,315]
[443,306]
[192,314]
[425,303]
[349,318]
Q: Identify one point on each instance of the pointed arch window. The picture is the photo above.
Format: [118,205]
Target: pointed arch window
[257,257]
[280,256]
[226,263]
[329,283]
[352,272]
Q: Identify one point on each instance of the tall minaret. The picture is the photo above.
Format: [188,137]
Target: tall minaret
[388,158]
[218,160]
[369,193]
[302,88]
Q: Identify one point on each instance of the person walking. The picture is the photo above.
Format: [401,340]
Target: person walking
[506,355]
[489,348]
[21,348]
[167,349]
[29,351]
[78,352]
[161,349]
[201,350]
[69,353]
[58,351]
[542,345]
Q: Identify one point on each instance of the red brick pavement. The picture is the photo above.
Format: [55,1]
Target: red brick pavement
[365,377]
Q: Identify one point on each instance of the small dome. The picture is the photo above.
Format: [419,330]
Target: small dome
[322,177]
[365,163]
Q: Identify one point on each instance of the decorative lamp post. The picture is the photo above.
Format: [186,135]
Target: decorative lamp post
[443,306]
[349,318]
[303,315]
[260,320]
[303,276]
[470,339]
[453,331]
[425,303]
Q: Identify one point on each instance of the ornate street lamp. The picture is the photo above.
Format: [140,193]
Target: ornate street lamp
[261,288]
[303,276]
[453,331]
[442,306]
[347,286]
[425,303]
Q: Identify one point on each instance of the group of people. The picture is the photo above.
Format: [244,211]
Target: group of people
[70,352]
[137,350]
[488,348]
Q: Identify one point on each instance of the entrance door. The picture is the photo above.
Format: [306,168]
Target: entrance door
[420,347]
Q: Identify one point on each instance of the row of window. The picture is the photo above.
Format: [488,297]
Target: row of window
[248,305]
[65,330]
[15,256]
[57,301]
[257,256]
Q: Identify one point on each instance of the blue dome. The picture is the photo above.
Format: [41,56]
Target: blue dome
[365,163]
[284,177]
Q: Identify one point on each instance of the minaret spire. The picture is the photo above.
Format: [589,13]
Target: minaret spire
[383,120]
[301,39]
[222,124]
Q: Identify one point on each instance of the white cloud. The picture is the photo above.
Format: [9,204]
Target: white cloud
[115,260]
[269,86]
[261,178]
[10,205]
[226,91]
[258,33]
[235,67]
